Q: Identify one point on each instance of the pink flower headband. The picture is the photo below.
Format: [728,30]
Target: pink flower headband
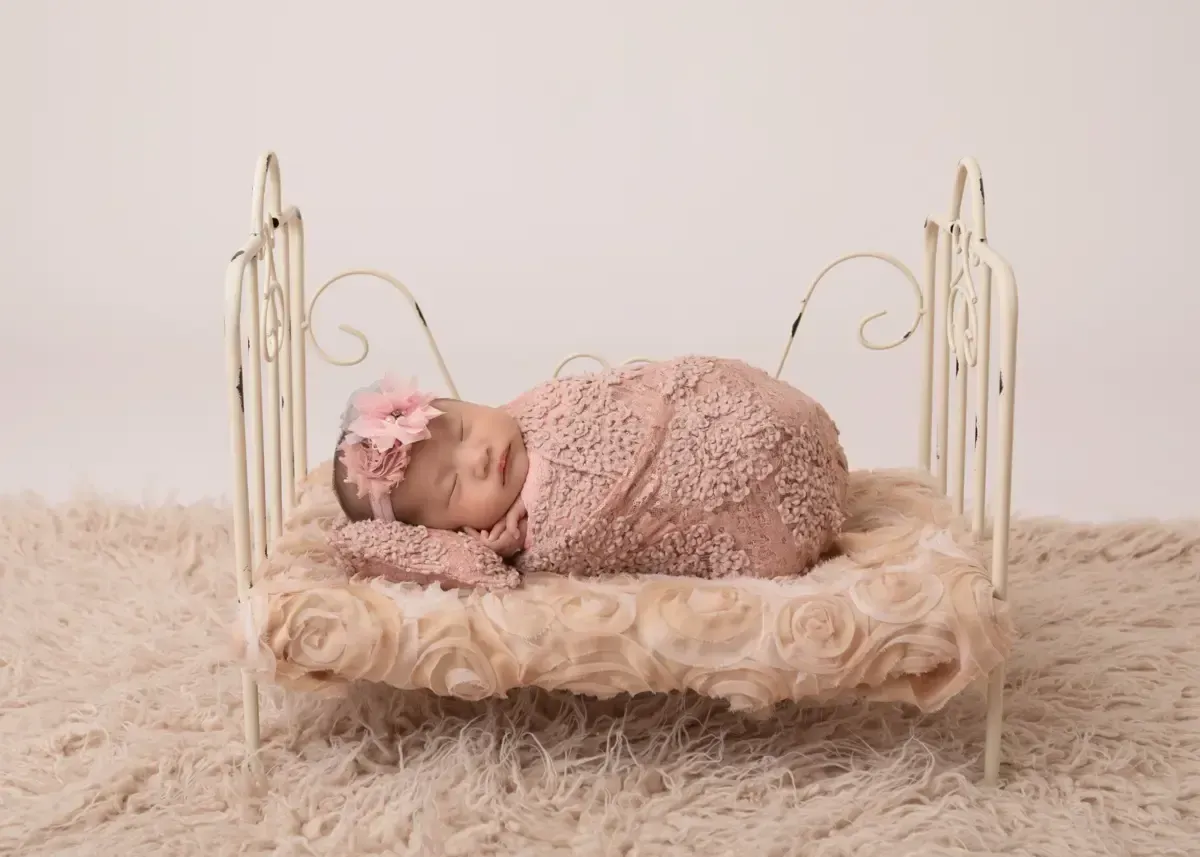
[380,424]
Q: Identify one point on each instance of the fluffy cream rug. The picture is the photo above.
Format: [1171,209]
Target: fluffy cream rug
[120,726]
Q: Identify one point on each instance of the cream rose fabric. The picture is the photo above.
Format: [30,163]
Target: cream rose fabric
[904,612]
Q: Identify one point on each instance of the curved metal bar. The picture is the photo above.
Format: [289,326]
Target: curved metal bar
[862,336]
[968,307]
[245,553]
[571,358]
[274,302]
[245,383]
[272,321]
[963,326]
[298,401]
[969,180]
[963,330]
[360,336]
[266,179]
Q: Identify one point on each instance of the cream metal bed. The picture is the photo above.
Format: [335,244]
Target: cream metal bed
[266,375]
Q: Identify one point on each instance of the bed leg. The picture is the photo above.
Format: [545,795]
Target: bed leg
[250,710]
[995,727]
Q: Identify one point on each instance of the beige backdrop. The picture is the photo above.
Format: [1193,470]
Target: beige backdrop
[625,177]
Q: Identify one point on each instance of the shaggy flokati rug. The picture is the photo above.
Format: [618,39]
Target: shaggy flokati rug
[120,726]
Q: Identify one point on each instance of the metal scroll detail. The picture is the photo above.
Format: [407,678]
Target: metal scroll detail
[274,300]
[571,358]
[362,337]
[962,302]
[862,327]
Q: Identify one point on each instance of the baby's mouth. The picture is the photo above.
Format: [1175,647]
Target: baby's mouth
[503,466]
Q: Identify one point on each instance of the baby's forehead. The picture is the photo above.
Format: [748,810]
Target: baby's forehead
[427,453]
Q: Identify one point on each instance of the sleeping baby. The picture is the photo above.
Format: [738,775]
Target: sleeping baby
[697,466]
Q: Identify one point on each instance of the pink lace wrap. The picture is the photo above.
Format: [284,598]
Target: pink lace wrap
[695,467]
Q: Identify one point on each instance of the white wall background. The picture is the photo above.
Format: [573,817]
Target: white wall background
[626,177]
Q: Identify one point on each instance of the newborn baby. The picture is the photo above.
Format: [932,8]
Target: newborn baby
[696,466]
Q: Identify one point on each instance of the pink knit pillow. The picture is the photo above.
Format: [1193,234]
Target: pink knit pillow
[408,554]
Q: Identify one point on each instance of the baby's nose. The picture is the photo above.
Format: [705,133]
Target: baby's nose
[479,462]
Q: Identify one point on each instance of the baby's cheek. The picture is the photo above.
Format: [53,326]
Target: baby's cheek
[485,510]
[501,509]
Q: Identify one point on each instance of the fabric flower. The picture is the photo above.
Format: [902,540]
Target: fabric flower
[380,424]
[818,633]
[896,597]
[598,665]
[372,471]
[456,667]
[750,688]
[338,632]
[394,411]
[697,623]
[596,609]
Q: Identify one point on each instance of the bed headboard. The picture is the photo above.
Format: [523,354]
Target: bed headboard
[965,295]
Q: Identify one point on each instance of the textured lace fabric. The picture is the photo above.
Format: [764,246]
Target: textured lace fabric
[419,555]
[695,467]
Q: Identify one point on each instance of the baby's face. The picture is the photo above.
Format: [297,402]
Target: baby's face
[468,474]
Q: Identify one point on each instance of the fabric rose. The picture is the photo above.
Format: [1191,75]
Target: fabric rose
[700,624]
[456,667]
[817,634]
[351,631]
[372,470]
[908,664]
[519,613]
[749,688]
[598,666]
[896,597]
[590,609]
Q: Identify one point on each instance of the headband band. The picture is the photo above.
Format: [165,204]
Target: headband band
[380,425]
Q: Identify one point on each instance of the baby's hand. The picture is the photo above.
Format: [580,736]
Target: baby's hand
[507,537]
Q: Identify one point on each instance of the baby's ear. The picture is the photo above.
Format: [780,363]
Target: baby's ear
[408,554]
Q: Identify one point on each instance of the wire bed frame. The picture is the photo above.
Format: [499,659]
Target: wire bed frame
[266,366]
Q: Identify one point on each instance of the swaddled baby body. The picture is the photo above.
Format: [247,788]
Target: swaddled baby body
[697,466]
